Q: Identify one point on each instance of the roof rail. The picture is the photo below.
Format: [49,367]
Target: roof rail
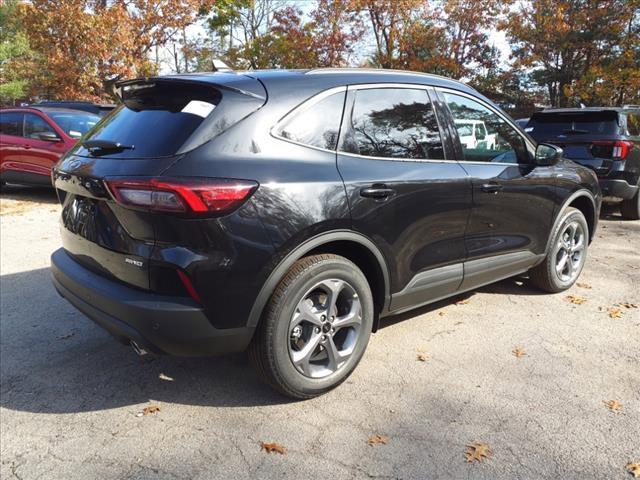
[630,106]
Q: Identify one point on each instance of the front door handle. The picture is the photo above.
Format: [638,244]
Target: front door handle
[377,191]
[26,147]
[491,187]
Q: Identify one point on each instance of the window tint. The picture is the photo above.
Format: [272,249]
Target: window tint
[75,124]
[157,118]
[394,123]
[11,123]
[495,140]
[633,124]
[34,125]
[317,125]
[552,124]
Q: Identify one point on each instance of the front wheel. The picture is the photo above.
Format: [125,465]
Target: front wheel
[315,328]
[630,208]
[566,255]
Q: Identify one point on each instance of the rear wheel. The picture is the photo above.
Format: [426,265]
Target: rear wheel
[315,328]
[630,208]
[566,255]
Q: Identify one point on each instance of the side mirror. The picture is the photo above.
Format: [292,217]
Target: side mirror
[49,137]
[547,154]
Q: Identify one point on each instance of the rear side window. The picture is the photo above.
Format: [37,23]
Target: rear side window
[394,123]
[157,118]
[316,124]
[11,123]
[553,124]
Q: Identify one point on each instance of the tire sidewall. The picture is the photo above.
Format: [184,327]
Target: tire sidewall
[569,216]
[282,314]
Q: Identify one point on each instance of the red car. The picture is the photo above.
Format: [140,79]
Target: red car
[32,140]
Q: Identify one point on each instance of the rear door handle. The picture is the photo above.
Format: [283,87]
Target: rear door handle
[377,192]
[491,187]
[26,147]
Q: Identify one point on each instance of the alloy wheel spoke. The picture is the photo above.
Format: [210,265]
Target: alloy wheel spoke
[351,319]
[334,288]
[562,263]
[333,354]
[308,313]
[301,358]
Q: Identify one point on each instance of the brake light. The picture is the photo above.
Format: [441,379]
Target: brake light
[611,149]
[182,195]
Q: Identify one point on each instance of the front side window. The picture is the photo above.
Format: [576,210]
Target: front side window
[35,125]
[11,123]
[494,140]
[317,124]
[394,123]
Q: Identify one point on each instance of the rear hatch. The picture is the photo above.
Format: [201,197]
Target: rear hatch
[160,121]
[588,137]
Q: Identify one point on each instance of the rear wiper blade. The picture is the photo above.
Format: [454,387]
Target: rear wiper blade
[98,146]
[575,130]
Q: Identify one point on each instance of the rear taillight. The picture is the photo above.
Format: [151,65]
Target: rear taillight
[182,195]
[611,149]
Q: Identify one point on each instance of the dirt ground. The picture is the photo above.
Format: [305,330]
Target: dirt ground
[72,399]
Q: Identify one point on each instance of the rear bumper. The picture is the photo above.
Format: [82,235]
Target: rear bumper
[158,323]
[617,188]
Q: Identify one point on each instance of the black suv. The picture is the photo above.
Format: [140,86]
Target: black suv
[286,212]
[605,139]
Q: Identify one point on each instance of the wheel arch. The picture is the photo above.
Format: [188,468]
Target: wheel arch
[582,200]
[353,246]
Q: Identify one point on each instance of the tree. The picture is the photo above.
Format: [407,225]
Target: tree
[570,43]
[388,19]
[15,54]
[84,45]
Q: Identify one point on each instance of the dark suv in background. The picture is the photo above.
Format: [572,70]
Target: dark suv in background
[604,139]
[286,212]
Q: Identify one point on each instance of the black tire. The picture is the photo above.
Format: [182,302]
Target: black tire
[630,208]
[544,276]
[269,350]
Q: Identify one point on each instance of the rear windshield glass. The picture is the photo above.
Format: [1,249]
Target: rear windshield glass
[157,118]
[574,123]
[74,124]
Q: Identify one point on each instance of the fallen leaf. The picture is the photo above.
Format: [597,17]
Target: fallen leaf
[476,452]
[614,312]
[613,405]
[442,314]
[423,357]
[583,285]
[463,301]
[272,448]
[628,305]
[576,299]
[519,352]
[162,376]
[377,440]
[634,469]
[68,335]
[150,409]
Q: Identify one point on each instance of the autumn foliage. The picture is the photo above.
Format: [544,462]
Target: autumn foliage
[563,52]
[84,44]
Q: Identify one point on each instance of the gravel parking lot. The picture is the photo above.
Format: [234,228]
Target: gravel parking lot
[72,399]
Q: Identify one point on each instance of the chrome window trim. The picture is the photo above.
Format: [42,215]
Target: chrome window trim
[497,112]
[301,108]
